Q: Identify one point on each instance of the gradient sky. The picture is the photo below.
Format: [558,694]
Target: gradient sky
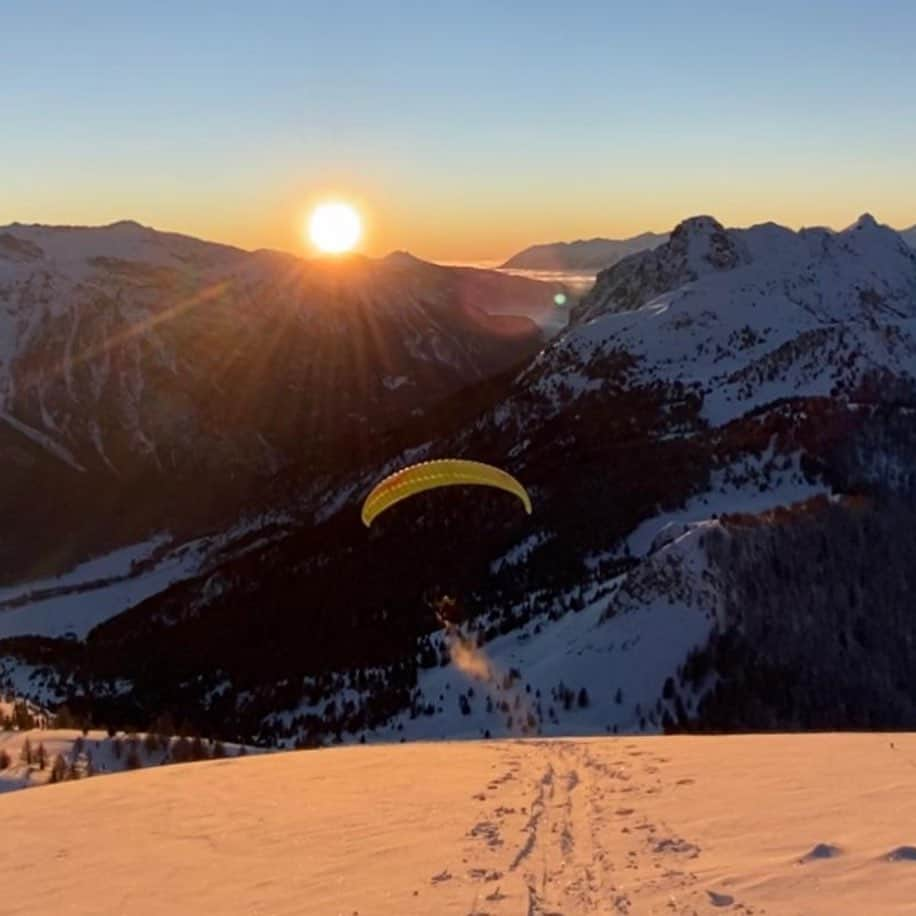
[465,130]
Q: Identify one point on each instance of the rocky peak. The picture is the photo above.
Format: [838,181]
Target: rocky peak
[697,246]
[704,239]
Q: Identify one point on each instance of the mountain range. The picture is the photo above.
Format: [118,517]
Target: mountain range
[600,253]
[152,380]
[584,254]
[719,449]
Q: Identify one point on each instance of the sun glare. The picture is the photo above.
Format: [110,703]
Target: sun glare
[334,228]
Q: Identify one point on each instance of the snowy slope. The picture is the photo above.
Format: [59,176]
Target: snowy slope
[116,564]
[639,826]
[754,484]
[73,603]
[597,670]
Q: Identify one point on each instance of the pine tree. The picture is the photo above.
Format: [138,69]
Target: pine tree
[22,718]
[41,757]
[4,759]
[150,744]
[181,750]
[58,769]
[25,755]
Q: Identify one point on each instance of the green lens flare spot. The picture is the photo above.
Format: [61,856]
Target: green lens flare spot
[560,299]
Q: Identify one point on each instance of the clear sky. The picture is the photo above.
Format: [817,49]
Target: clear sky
[465,130]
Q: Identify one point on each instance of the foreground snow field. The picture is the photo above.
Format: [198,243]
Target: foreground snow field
[801,824]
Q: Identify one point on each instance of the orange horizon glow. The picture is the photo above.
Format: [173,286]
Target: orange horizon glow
[485,234]
[493,237]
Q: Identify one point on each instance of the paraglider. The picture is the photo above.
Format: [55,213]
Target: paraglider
[446,610]
[430,475]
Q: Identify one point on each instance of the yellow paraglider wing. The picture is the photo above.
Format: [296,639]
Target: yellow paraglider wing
[430,475]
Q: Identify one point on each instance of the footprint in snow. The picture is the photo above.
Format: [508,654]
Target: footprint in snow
[676,845]
[485,874]
[488,832]
[821,851]
[902,854]
[443,875]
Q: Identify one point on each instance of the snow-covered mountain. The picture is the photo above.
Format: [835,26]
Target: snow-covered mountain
[909,236]
[584,254]
[743,317]
[137,363]
[726,398]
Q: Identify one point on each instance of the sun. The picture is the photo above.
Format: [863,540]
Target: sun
[334,228]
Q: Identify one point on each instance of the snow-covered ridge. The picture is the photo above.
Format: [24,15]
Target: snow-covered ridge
[744,317]
[600,254]
[75,250]
[865,264]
